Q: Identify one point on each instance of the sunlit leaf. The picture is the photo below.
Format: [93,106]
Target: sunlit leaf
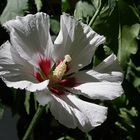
[96,3]
[107,50]
[38,4]
[128,44]
[13,8]
[83,10]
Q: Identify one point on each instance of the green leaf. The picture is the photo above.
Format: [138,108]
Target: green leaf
[83,10]
[106,24]
[128,43]
[127,117]
[13,8]
[126,120]
[107,8]
[89,137]
[126,14]
[107,50]
[65,5]
[1,110]
[133,75]
[128,31]
[96,3]
[135,11]
[38,4]
[114,16]
[27,102]
[55,26]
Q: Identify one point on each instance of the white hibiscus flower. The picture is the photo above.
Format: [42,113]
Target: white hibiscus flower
[31,61]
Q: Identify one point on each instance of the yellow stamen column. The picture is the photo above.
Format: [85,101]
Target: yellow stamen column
[61,68]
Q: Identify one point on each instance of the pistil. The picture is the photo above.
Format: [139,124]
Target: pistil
[60,70]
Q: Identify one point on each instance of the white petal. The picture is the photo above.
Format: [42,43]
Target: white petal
[100,90]
[89,115]
[5,57]
[5,54]
[78,40]
[30,35]
[63,112]
[94,76]
[29,86]
[43,97]
[112,76]
[73,112]
[14,68]
[109,64]
[105,84]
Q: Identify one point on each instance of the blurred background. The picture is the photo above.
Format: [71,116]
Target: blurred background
[119,22]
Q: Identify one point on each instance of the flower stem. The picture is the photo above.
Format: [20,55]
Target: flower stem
[33,123]
[96,14]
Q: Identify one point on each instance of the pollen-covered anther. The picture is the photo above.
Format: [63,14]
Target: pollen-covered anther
[62,67]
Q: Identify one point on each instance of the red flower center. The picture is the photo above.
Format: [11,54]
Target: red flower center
[56,74]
